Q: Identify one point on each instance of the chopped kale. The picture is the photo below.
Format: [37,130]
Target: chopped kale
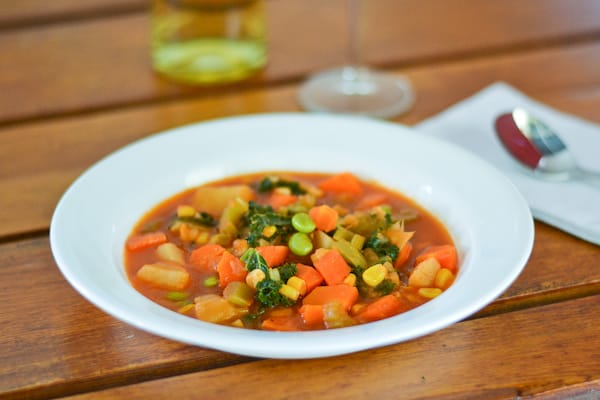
[382,246]
[269,183]
[267,293]
[260,217]
[253,260]
[286,271]
[387,286]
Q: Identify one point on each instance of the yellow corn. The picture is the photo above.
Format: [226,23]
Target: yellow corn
[429,293]
[374,275]
[298,284]
[186,211]
[202,237]
[269,231]
[186,308]
[187,233]
[443,278]
[255,276]
[357,241]
[289,292]
[237,323]
[350,280]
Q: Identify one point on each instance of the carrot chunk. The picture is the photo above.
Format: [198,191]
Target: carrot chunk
[404,254]
[381,308]
[273,255]
[145,240]
[342,183]
[312,314]
[332,266]
[230,269]
[445,254]
[280,323]
[324,217]
[310,275]
[278,200]
[344,294]
[207,257]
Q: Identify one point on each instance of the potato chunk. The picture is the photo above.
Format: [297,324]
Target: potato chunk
[165,275]
[214,308]
[423,276]
[213,200]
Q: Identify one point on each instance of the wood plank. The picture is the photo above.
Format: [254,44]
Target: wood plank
[17,14]
[32,186]
[103,63]
[54,341]
[502,357]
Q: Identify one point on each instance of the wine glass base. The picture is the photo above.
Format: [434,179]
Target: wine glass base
[355,90]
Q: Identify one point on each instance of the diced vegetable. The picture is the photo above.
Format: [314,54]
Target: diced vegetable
[214,308]
[429,293]
[170,252]
[239,294]
[374,275]
[232,214]
[424,273]
[255,276]
[164,275]
[206,257]
[342,183]
[213,200]
[335,315]
[283,323]
[331,265]
[298,284]
[278,200]
[445,254]
[443,278]
[381,308]
[404,255]
[309,275]
[312,314]
[302,222]
[350,253]
[289,291]
[300,244]
[324,217]
[274,255]
[343,294]
[230,269]
[145,240]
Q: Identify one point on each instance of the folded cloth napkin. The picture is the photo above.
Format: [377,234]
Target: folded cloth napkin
[571,206]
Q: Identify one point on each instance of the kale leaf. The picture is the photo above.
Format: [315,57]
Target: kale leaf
[287,270]
[200,218]
[382,246]
[253,260]
[259,217]
[267,293]
[268,184]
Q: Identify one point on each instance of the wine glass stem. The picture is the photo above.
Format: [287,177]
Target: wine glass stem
[353,55]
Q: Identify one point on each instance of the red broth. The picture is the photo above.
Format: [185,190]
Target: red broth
[290,251]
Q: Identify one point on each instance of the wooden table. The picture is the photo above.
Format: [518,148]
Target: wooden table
[76,84]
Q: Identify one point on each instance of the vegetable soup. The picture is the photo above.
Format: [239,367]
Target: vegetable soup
[290,251]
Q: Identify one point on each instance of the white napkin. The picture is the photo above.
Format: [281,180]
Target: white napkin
[571,206]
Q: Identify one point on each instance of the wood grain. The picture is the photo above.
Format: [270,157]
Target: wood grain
[104,63]
[506,356]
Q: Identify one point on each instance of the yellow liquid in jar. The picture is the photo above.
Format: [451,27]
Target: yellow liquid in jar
[208,42]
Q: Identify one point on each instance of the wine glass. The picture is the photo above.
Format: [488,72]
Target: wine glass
[355,88]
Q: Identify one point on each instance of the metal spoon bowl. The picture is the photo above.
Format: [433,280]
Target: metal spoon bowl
[539,148]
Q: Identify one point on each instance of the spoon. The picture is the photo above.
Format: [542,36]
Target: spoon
[539,148]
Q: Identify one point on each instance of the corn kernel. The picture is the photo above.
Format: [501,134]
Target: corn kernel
[374,275]
[274,274]
[356,308]
[283,190]
[429,293]
[443,278]
[202,238]
[187,233]
[357,241]
[350,280]
[186,211]
[289,292]
[186,308]
[269,231]
[298,284]
[237,323]
[255,276]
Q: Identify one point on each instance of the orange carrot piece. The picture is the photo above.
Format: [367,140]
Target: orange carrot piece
[381,308]
[445,254]
[145,240]
[207,257]
[324,217]
[404,254]
[278,200]
[310,275]
[346,295]
[332,266]
[342,183]
[230,269]
[273,255]
[280,323]
[372,200]
[312,314]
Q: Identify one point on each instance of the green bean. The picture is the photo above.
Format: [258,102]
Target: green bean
[211,281]
[302,222]
[300,244]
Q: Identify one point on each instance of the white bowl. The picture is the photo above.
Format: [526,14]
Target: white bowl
[487,217]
